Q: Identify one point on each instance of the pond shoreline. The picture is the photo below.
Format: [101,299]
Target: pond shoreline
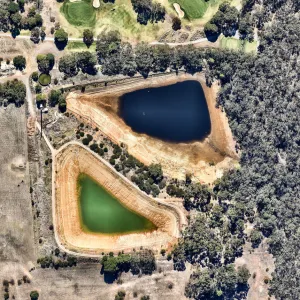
[99,211]
[206,159]
[73,159]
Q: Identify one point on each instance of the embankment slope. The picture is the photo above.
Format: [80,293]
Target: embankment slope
[206,159]
[75,159]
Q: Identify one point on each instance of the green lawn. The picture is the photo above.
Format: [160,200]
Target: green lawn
[80,46]
[235,44]
[81,13]
[193,9]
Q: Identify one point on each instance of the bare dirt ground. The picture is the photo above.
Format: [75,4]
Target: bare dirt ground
[17,248]
[206,160]
[260,264]
[74,159]
[85,282]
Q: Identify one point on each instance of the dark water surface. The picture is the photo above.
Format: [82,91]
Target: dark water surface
[101,212]
[173,113]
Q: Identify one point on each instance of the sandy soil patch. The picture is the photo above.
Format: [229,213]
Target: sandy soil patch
[261,265]
[179,11]
[96,3]
[73,160]
[206,159]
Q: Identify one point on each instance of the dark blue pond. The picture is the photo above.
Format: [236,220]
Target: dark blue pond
[173,113]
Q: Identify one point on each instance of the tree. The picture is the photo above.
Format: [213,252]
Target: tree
[144,58]
[243,275]
[54,97]
[16,19]
[148,11]
[155,172]
[4,20]
[88,37]
[19,62]
[201,286]
[246,28]
[34,295]
[43,33]
[38,88]
[211,29]
[255,238]
[35,35]
[86,61]
[108,44]
[68,65]
[161,58]
[45,62]
[13,7]
[120,295]
[21,4]
[110,264]
[13,92]
[176,24]
[35,76]
[61,38]
[128,61]
[226,20]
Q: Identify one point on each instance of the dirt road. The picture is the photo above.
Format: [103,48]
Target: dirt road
[70,39]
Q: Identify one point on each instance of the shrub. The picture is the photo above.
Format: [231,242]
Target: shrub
[35,76]
[19,62]
[44,79]
[85,141]
[120,295]
[34,295]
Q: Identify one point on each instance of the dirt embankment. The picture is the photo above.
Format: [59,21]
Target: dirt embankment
[206,159]
[73,160]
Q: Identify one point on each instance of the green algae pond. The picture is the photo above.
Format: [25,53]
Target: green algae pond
[101,212]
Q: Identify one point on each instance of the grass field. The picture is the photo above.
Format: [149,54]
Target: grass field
[121,16]
[80,46]
[235,44]
[193,9]
[79,13]
[196,9]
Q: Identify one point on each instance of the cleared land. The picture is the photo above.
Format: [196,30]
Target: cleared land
[206,159]
[17,249]
[74,159]
[236,44]
[85,282]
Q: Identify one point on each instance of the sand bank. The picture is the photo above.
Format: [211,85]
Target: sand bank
[75,159]
[206,159]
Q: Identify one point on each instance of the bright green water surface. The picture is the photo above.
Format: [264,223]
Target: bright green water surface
[101,212]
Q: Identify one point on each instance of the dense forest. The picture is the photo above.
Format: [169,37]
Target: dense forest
[260,95]
[261,100]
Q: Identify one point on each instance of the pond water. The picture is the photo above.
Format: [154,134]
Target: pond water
[101,212]
[173,113]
